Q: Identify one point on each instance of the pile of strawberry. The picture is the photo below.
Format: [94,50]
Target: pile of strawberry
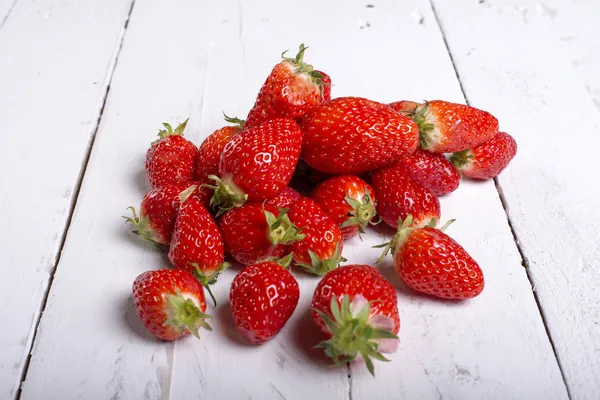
[370,162]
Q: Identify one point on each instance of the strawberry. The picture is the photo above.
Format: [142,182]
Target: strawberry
[446,127]
[352,135]
[433,171]
[291,89]
[257,164]
[209,152]
[170,159]
[196,245]
[358,310]
[321,248]
[254,233]
[487,160]
[404,107]
[399,195]
[263,297]
[170,303]
[285,199]
[431,262]
[348,200]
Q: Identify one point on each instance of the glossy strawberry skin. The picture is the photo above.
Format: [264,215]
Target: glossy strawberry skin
[353,280]
[487,160]
[431,262]
[331,194]
[263,297]
[209,152]
[398,195]
[170,161]
[404,106]
[245,233]
[260,161]
[352,135]
[196,239]
[456,127]
[326,87]
[150,291]
[285,199]
[433,171]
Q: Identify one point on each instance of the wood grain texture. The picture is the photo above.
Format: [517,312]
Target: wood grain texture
[513,50]
[49,109]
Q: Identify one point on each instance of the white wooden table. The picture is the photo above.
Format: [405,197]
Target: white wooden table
[84,86]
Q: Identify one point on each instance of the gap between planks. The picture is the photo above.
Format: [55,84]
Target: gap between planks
[8,12]
[499,190]
[76,189]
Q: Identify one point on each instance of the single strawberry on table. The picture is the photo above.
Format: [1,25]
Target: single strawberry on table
[431,262]
[357,308]
[170,303]
[291,90]
[170,159]
[487,160]
[446,127]
[263,297]
[209,152]
[348,200]
[320,249]
[352,135]
[256,232]
[197,245]
[257,164]
[433,171]
[398,195]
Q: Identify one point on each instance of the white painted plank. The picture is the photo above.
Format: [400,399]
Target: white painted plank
[5,7]
[55,59]
[511,61]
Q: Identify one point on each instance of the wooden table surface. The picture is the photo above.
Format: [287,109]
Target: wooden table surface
[84,86]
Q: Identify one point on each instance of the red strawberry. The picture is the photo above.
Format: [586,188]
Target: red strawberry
[197,245]
[487,160]
[347,199]
[446,127]
[292,89]
[209,152]
[158,212]
[257,164]
[433,171]
[321,248]
[399,195]
[254,233]
[404,107]
[170,160]
[285,199]
[170,303]
[352,135]
[263,297]
[433,263]
[358,309]
[326,80]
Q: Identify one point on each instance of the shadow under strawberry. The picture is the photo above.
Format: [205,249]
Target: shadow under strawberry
[131,320]
[224,317]
[306,336]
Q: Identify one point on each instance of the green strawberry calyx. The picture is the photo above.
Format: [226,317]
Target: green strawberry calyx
[184,314]
[281,229]
[319,266]
[304,68]
[227,194]
[461,158]
[168,131]
[208,278]
[142,228]
[355,334]
[363,211]
[421,118]
[235,121]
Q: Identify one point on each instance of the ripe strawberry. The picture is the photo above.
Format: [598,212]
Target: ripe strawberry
[170,159]
[292,89]
[352,135]
[399,195]
[158,212]
[348,200]
[253,233]
[446,127]
[263,297]
[358,309]
[433,263]
[433,171]
[285,199]
[321,248]
[404,107]
[197,245]
[209,152]
[257,164]
[487,160]
[170,303]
